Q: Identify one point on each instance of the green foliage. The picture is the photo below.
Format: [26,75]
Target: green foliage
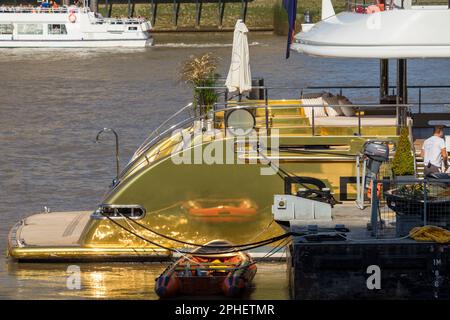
[415,191]
[280,20]
[201,72]
[403,163]
[204,99]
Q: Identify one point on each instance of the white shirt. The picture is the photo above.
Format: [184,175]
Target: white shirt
[432,148]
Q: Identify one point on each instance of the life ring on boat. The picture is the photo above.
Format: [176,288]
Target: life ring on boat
[372,9]
[72,17]
[223,214]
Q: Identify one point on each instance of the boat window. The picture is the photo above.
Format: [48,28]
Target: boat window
[240,122]
[30,28]
[132,28]
[6,28]
[57,29]
[119,211]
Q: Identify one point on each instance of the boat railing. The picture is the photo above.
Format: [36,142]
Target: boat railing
[418,95]
[187,109]
[157,135]
[30,9]
[120,20]
[185,117]
[372,6]
[401,110]
[416,102]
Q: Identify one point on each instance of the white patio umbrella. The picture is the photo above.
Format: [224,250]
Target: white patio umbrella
[239,76]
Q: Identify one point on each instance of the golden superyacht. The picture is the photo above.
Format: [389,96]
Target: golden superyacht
[214,175]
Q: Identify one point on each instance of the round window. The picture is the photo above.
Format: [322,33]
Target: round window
[240,122]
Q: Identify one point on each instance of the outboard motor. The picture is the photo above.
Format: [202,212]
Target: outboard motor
[376,153]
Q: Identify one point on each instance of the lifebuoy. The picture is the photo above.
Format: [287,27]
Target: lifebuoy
[373,9]
[72,17]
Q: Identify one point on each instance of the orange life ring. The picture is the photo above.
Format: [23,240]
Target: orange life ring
[373,9]
[223,214]
[72,17]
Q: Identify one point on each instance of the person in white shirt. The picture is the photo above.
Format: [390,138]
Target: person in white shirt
[434,152]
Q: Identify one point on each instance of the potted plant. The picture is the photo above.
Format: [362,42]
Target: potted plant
[403,162]
[200,71]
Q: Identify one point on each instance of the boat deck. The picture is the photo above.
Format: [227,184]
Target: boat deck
[64,227]
[358,223]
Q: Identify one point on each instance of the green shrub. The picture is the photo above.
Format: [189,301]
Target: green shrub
[200,71]
[403,163]
[280,19]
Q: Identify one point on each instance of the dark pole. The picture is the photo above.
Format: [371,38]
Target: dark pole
[402,89]
[97,139]
[384,79]
[402,85]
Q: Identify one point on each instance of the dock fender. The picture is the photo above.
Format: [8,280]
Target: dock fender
[233,286]
[166,286]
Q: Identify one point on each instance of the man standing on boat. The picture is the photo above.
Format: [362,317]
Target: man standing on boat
[434,152]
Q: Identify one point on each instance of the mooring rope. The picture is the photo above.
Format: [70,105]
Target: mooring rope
[244,247]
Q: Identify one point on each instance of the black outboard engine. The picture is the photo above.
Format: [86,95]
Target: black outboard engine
[376,153]
[440,178]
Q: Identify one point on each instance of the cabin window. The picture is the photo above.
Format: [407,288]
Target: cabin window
[30,28]
[119,211]
[132,28]
[6,28]
[57,29]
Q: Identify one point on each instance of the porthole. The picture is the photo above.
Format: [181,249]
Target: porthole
[240,122]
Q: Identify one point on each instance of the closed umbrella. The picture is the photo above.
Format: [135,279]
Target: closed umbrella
[239,76]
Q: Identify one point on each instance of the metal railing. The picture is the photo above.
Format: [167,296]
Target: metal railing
[185,117]
[358,108]
[399,205]
[372,6]
[120,20]
[157,135]
[30,9]
[368,6]
[416,93]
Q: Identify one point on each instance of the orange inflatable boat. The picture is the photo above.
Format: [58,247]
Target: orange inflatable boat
[208,271]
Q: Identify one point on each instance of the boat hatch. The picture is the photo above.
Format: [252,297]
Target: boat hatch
[119,211]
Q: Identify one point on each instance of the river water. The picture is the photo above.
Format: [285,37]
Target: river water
[53,102]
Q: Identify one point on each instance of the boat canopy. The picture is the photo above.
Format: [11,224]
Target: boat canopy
[418,32]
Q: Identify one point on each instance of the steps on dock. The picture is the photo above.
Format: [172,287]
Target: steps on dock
[420,165]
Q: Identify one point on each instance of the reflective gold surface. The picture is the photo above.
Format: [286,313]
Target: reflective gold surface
[162,185]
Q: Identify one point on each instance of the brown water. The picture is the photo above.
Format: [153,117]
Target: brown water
[53,102]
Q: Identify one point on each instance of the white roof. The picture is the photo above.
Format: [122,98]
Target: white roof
[414,33]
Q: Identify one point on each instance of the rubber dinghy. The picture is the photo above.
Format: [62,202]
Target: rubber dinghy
[208,270]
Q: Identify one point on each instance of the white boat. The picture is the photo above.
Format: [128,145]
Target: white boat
[69,27]
[370,32]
